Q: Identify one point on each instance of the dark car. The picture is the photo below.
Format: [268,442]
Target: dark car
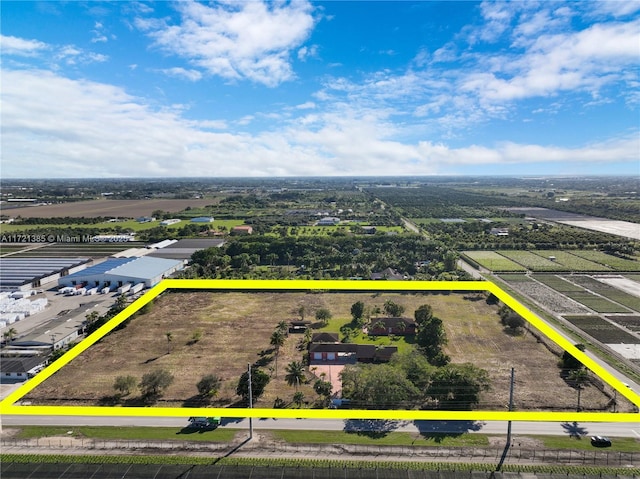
[600,441]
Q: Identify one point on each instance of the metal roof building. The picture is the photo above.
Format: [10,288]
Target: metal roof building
[184,249]
[20,274]
[119,271]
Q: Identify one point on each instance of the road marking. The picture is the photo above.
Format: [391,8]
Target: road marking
[635,433]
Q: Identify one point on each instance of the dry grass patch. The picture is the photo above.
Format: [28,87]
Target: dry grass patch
[236,327]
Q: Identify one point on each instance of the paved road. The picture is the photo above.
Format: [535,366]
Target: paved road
[491,427]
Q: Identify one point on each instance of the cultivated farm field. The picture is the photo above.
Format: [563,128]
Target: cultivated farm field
[493,261]
[236,327]
[104,207]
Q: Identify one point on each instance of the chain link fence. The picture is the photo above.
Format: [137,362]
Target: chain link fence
[272,449]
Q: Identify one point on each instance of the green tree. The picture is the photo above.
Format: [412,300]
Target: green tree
[323,315]
[322,388]
[357,311]
[92,317]
[154,383]
[277,340]
[208,386]
[450,260]
[423,314]
[380,385]
[458,386]
[393,309]
[295,374]
[125,384]
[120,304]
[283,326]
[259,381]
[431,338]
[579,377]
[569,362]
[10,334]
[298,398]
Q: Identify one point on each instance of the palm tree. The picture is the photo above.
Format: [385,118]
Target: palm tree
[283,326]
[10,334]
[579,377]
[295,374]
[277,340]
[298,398]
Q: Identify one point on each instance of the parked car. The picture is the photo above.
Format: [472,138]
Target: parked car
[600,441]
[204,422]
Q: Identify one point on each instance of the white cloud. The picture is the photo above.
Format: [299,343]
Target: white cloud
[72,55]
[191,75]
[237,40]
[19,46]
[58,127]
[307,52]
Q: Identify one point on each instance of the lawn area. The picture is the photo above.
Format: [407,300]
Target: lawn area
[388,439]
[114,226]
[128,433]
[618,444]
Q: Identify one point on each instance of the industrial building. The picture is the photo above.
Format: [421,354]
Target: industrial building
[22,274]
[116,272]
[184,249]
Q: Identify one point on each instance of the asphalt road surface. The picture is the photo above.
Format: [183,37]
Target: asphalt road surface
[491,427]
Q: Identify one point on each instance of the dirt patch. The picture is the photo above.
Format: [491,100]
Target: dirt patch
[236,328]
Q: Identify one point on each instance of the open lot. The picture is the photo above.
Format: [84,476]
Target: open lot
[236,327]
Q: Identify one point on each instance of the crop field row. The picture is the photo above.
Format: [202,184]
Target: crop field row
[549,298]
[596,303]
[619,264]
[602,330]
[533,261]
[631,322]
[538,261]
[494,261]
[571,261]
[608,291]
[558,283]
[516,278]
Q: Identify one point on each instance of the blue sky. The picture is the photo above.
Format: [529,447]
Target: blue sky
[162,89]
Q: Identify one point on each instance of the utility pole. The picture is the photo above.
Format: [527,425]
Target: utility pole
[250,403]
[508,445]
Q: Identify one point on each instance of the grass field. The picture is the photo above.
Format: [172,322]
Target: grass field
[515,278]
[73,250]
[618,264]
[602,330]
[494,261]
[236,328]
[128,433]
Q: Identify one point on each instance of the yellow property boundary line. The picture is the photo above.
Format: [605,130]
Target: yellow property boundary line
[8,406]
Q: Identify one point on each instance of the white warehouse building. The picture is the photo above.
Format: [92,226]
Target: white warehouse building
[117,272]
